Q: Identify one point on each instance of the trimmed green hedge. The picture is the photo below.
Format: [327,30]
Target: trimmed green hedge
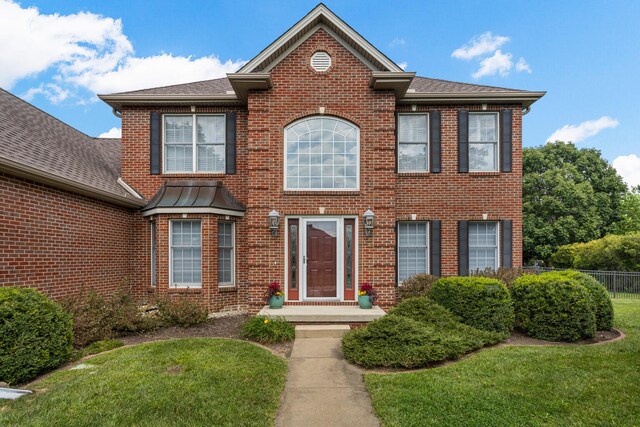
[414,334]
[553,307]
[611,253]
[602,303]
[478,301]
[35,334]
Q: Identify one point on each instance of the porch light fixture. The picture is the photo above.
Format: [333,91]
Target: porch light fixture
[368,219]
[274,222]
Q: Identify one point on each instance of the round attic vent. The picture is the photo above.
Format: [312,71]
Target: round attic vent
[321,61]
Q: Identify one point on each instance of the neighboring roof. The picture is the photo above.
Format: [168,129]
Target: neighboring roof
[194,196]
[35,145]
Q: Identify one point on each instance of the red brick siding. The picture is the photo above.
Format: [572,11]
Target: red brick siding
[58,241]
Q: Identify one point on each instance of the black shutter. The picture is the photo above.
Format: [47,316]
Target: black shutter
[434,142]
[506,139]
[230,143]
[463,141]
[463,248]
[155,139]
[395,132]
[506,233]
[435,259]
[397,254]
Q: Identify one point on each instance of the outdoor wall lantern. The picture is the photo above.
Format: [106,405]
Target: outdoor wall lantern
[274,221]
[368,219]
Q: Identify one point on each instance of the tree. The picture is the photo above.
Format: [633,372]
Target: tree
[569,195]
[629,213]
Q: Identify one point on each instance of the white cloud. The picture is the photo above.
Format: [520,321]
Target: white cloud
[577,133]
[397,42]
[628,168]
[480,45]
[403,65]
[522,66]
[87,51]
[498,63]
[54,93]
[111,133]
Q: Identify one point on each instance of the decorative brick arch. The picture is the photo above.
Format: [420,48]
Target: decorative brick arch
[316,113]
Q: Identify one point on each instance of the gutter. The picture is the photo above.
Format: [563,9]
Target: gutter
[42,177]
[526,98]
[117,101]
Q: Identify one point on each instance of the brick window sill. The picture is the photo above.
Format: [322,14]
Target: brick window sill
[413,174]
[185,290]
[227,289]
[321,193]
[484,174]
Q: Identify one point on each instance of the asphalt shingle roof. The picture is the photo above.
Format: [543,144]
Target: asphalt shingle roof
[33,138]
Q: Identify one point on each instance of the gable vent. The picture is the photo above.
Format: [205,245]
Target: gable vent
[321,61]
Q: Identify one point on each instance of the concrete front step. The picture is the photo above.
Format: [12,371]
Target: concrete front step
[321,331]
[324,313]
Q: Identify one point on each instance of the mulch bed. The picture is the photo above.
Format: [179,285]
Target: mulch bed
[223,327]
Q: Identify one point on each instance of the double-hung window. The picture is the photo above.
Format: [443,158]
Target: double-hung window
[483,245]
[413,249]
[226,253]
[322,153]
[194,143]
[413,142]
[186,254]
[483,142]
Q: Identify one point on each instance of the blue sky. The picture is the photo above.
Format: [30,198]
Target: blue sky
[585,54]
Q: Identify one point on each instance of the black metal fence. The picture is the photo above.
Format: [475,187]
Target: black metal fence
[620,284]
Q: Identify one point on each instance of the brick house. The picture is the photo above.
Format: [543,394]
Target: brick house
[271,173]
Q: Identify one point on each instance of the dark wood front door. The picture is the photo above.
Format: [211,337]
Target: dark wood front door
[321,259]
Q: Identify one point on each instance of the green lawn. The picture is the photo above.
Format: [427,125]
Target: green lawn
[190,382]
[571,385]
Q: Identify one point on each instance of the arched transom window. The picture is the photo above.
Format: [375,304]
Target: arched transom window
[322,153]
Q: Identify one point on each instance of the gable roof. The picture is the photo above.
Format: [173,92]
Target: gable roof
[38,146]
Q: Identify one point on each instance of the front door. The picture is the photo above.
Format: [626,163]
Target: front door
[321,258]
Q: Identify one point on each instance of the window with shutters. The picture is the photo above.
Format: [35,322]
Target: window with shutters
[226,242]
[483,245]
[321,61]
[413,142]
[483,142]
[185,262]
[413,249]
[322,153]
[194,143]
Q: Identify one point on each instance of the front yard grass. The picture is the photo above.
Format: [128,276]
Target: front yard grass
[509,385]
[197,381]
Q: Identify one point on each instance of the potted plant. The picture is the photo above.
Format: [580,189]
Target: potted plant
[366,295]
[274,295]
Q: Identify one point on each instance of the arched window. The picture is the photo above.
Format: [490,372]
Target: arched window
[322,153]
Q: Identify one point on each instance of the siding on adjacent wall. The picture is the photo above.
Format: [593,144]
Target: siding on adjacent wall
[59,242]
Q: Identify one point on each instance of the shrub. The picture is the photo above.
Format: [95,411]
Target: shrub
[610,253]
[479,302]
[181,311]
[35,334]
[416,286]
[395,341]
[505,275]
[553,307]
[602,303]
[267,329]
[424,310]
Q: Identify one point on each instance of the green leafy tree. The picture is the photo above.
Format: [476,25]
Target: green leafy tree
[569,195]
[629,213]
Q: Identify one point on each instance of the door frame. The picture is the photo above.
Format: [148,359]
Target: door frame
[340,256]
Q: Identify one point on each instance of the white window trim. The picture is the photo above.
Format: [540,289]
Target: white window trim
[233,256]
[497,114]
[498,244]
[154,253]
[356,188]
[428,251]
[428,169]
[194,145]
[182,285]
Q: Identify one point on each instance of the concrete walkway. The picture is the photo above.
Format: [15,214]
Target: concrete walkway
[322,389]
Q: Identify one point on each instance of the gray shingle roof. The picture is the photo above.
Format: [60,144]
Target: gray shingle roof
[33,138]
[221,86]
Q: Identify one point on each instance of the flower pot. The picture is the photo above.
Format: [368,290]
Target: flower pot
[364,301]
[276,302]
